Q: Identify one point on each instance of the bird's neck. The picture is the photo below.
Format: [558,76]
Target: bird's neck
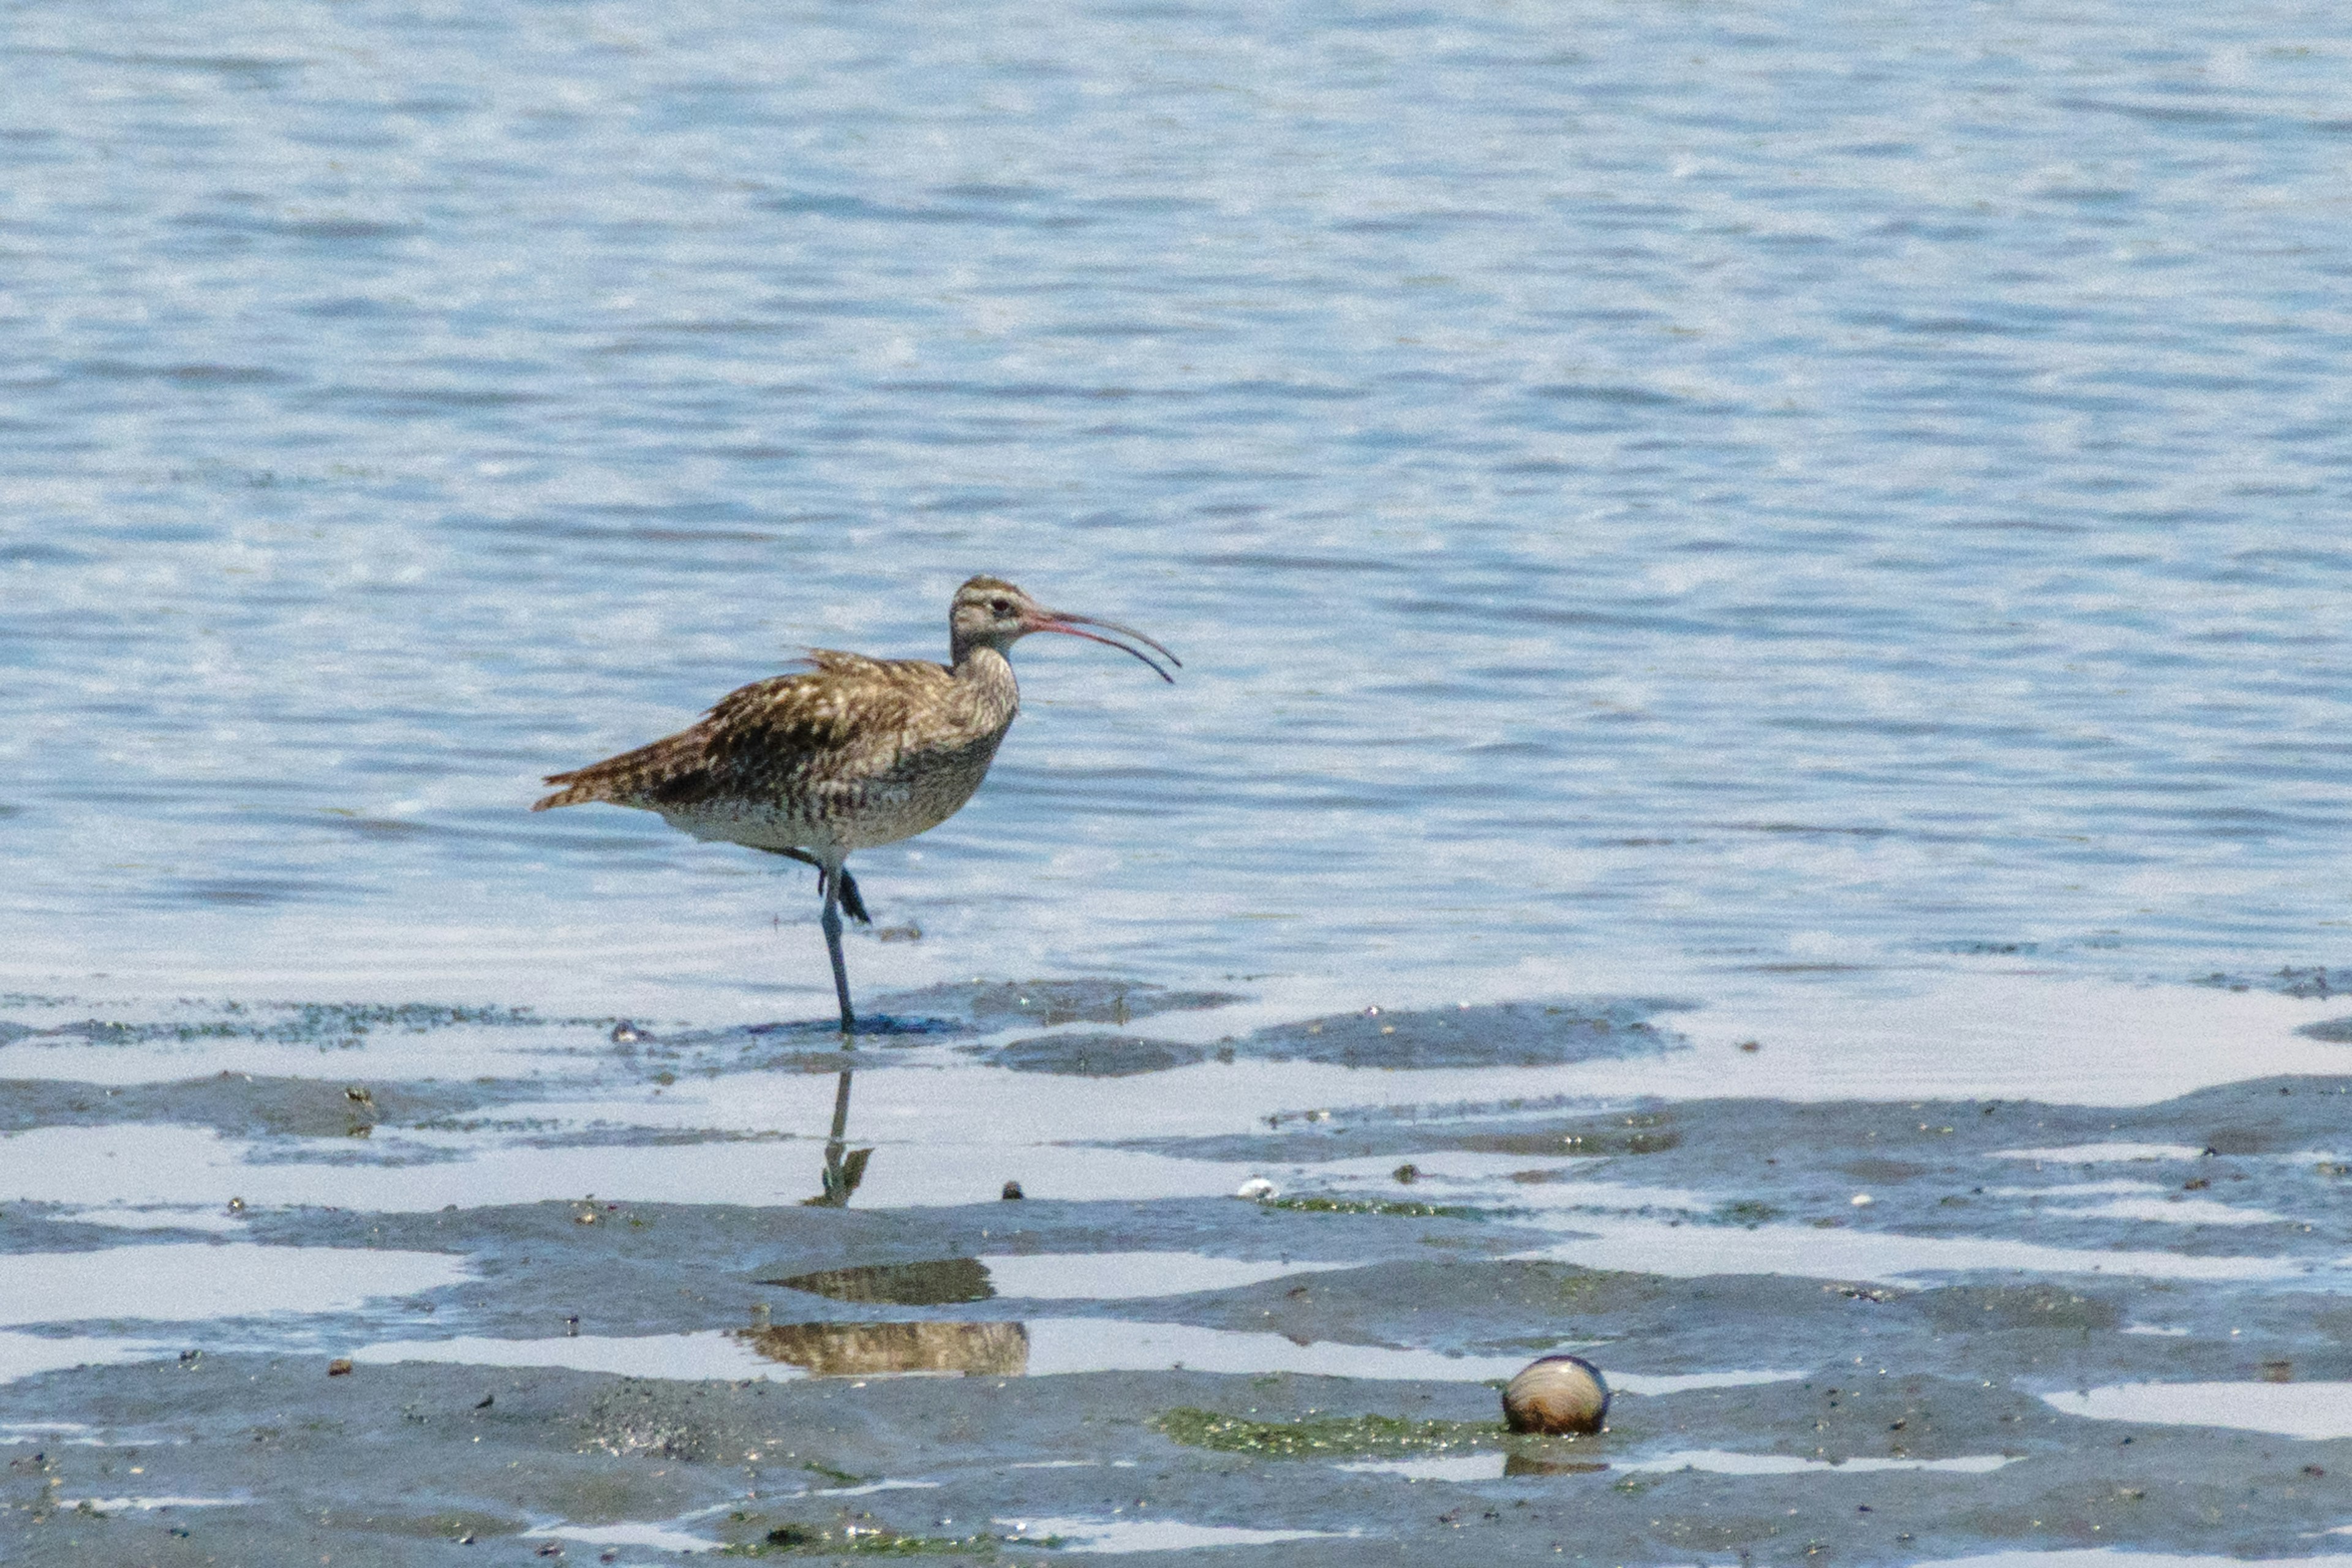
[987,674]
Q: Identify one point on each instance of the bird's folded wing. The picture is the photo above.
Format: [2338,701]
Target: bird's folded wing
[849,715]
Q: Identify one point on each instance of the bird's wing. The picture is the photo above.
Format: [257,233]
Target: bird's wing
[848,712]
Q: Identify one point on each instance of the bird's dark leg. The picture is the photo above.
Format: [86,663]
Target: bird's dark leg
[843,1167]
[832,923]
[851,904]
[840,890]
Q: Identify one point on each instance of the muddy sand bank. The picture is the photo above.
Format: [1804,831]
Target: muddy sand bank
[1840,1329]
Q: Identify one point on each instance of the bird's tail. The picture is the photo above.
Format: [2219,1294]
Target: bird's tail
[583,786]
[624,780]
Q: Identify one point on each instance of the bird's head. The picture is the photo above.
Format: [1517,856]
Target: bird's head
[992,612]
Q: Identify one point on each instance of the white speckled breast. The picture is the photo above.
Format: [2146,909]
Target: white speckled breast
[919,792]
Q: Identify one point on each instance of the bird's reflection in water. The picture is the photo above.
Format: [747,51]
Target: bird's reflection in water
[843,1167]
[935,1282]
[1536,1464]
[866,1350]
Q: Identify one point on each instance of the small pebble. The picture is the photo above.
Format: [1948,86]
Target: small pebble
[1258,1188]
[1862,1199]
[339,1367]
[626,1034]
[1011,1192]
[1556,1393]
[1408,1174]
[571,1325]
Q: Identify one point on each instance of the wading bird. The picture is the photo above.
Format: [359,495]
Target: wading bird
[851,753]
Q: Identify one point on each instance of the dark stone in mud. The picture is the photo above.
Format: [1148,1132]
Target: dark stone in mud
[1510,1034]
[940,1282]
[995,1004]
[1095,1055]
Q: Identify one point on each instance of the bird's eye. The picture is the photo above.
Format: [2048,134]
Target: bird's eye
[1001,607]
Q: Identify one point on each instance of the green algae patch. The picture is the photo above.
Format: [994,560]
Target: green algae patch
[1317,1204]
[1324,1437]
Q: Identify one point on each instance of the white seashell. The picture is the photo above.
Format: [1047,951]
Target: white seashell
[1257,1187]
[1556,1393]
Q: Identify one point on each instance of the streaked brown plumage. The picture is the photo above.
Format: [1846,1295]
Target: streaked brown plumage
[851,753]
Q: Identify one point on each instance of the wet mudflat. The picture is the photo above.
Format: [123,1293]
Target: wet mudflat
[281,1286]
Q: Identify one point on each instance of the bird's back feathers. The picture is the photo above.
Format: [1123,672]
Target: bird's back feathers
[848,720]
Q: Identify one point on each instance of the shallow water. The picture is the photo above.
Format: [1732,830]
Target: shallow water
[2290,1410]
[1756,786]
[1635,489]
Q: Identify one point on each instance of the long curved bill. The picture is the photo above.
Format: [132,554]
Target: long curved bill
[1069,625]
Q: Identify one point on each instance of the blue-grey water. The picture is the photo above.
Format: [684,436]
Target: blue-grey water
[1675,482]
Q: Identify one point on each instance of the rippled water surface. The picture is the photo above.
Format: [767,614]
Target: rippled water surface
[1633,486]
